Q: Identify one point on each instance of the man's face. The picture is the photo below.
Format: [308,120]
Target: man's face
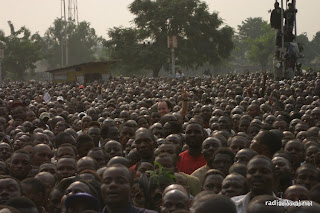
[99,156]
[194,135]
[213,183]
[224,123]
[48,167]
[295,193]
[237,144]
[95,133]
[40,138]
[20,165]
[282,167]
[163,108]
[9,188]
[115,186]
[114,133]
[295,149]
[232,186]
[113,148]
[66,167]
[125,134]
[5,151]
[260,176]
[222,162]
[168,149]
[65,152]
[173,201]
[144,144]
[42,153]
[307,177]
[209,146]
[257,146]
[167,164]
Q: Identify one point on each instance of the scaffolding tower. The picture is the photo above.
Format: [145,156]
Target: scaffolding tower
[72,16]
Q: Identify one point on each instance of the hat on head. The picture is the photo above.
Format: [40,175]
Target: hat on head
[44,115]
[85,198]
[60,98]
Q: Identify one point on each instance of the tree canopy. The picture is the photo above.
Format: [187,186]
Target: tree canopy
[202,37]
[22,50]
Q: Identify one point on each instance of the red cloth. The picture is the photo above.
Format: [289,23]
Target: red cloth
[189,164]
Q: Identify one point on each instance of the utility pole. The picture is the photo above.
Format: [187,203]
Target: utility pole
[1,57]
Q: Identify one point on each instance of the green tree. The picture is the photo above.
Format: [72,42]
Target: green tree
[81,41]
[201,37]
[22,51]
[255,42]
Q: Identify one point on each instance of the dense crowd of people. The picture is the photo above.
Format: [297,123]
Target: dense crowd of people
[224,144]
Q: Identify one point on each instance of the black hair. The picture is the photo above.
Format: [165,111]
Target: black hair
[82,139]
[205,202]
[61,138]
[226,151]
[36,185]
[21,203]
[270,140]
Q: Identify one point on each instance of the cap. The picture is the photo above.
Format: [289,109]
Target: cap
[60,98]
[44,115]
[83,198]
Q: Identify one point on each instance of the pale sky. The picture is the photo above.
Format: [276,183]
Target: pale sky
[38,15]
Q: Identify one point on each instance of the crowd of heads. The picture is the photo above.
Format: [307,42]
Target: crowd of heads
[162,144]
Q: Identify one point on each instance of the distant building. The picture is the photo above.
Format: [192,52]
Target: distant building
[82,73]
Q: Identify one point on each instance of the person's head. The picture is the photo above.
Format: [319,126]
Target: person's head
[63,138]
[95,133]
[35,190]
[5,151]
[66,151]
[23,205]
[20,164]
[99,156]
[234,185]
[39,138]
[66,167]
[259,205]
[222,159]
[83,144]
[48,167]
[295,150]
[116,184]
[142,167]
[276,5]
[266,143]
[296,193]
[47,179]
[238,168]
[236,143]
[194,135]
[315,193]
[260,175]
[307,175]
[311,152]
[164,107]
[9,188]
[127,131]
[113,148]
[41,153]
[206,202]
[168,162]
[209,146]
[282,167]
[145,143]
[225,123]
[86,163]
[174,200]
[119,160]
[169,148]
[244,156]
[212,181]
[110,132]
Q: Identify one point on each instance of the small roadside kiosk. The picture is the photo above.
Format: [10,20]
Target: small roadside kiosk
[82,73]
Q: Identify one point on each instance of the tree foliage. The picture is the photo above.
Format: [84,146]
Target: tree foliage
[81,43]
[22,50]
[255,42]
[202,38]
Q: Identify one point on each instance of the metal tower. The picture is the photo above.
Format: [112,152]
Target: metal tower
[73,11]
